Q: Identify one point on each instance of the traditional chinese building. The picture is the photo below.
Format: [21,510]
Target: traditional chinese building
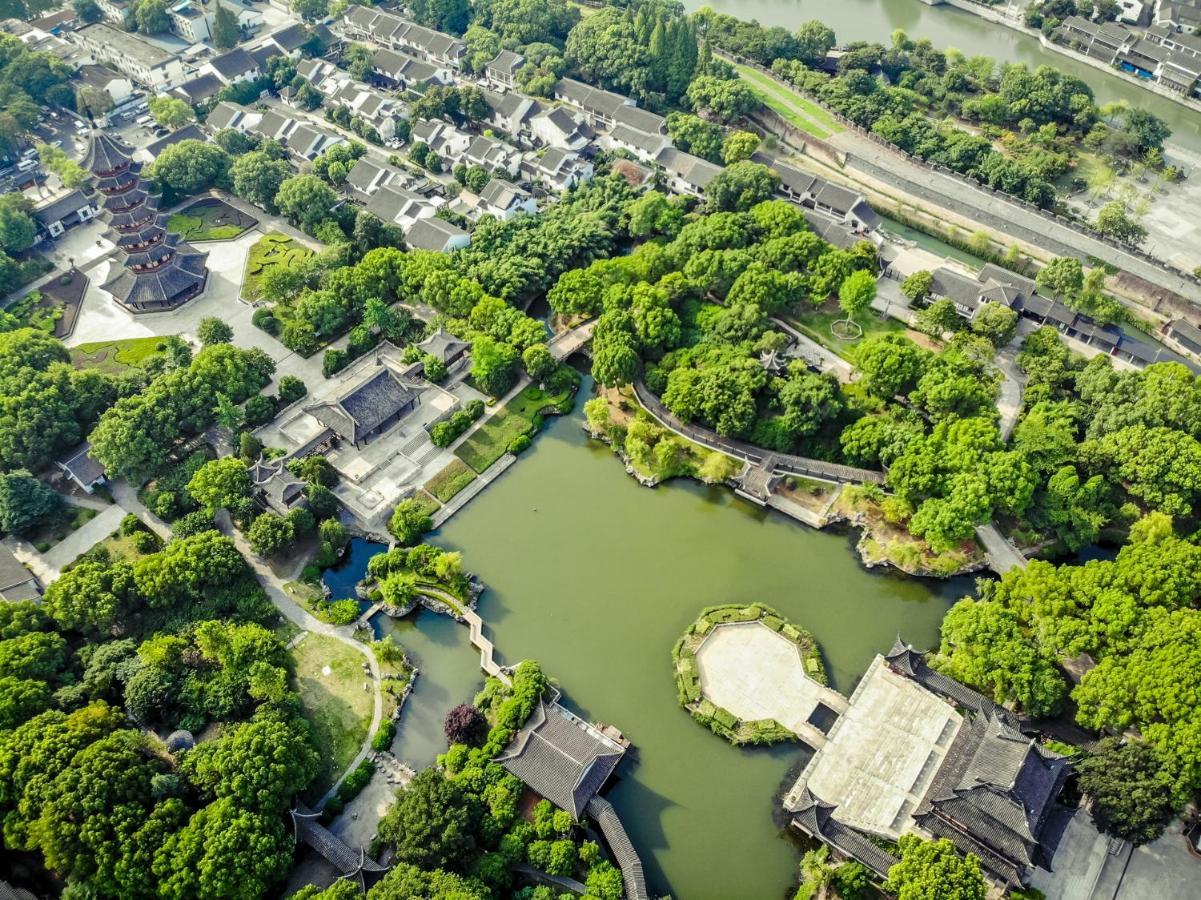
[153,269]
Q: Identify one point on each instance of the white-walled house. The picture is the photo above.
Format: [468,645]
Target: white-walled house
[558,169]
[504,199]
[556,127]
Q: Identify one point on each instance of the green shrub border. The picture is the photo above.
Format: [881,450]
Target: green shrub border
[721,721]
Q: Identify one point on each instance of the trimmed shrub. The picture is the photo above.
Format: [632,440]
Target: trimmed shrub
[384,737]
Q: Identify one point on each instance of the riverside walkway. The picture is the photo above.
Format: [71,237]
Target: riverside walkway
[756,456]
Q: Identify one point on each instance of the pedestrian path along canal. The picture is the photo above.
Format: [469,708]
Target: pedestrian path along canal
[597,577]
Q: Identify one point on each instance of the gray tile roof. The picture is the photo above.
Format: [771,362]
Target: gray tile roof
[105,154]
[190,132]
[360,411]
[593,100]
[561,757]
[995,787]
[641,119]
[443,345]
[200,88]
[506,62]
[233,64]
[223,115]
[1182,328]
[814,816]
[502,194]
[647,142]
[963,289]
[291,37]
[16,581]
[692,169]
[432,234]
[64,206]
[620,845]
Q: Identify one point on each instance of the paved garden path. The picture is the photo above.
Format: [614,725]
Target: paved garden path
[84,538]
[274,587]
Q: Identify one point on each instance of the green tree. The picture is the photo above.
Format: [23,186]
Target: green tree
[538,362]
[934,870]
[311,10]
[1130,789]
[726,99]
[90,806]
[651,214]
[261,764]
[815,40]
[212,330]
[1115,221]
[493,365]
[891,364]
[151,16]
[17,229]
[25,502]
[220,483]
[257,177]
[605,49]
[55,159]
[225,850]
[739,187]
[306,199]
[88,11]
[444,15]
[190,167]
[226,32]
[738,146]
[171,112]
[995,322]
[1062,277]
[604,881]
[856,293]
[410,520]
[430,825]
[270,534]
[694,135]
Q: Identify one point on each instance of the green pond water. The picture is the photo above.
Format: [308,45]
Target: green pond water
[946,26]
[597,577]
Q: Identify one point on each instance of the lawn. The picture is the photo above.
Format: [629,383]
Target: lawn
[490,441]
[804,114]
[209,220]
[450,480]
[330,678]
[815,323]
[115,357]
[119,548]
[268,252]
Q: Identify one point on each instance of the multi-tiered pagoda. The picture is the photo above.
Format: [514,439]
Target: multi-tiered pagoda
[154,270]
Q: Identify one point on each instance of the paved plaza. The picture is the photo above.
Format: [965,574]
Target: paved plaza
[755,673]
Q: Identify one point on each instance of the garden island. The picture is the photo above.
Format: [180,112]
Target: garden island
[323,323]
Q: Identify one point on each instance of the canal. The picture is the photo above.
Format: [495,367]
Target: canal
[946,26]
[597,577]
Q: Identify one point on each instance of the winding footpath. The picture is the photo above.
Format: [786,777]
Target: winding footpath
[303,619]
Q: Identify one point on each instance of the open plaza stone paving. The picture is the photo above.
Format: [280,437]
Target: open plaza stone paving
[755,673]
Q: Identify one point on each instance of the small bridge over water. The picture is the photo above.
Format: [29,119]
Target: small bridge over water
[565,343]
